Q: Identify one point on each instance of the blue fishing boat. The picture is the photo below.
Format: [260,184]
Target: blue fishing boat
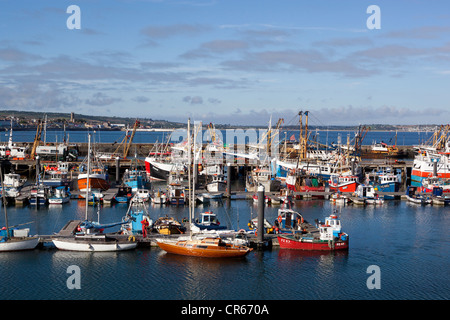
[208,221]
[385,181]
[137,219]
[124,194]
[135,179]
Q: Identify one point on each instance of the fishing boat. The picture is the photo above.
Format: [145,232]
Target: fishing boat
[207,221]
[13,238]
[137,219]
[12,150]
[89,236]
[175,189]
[218,184]
[13,180]
[288,221]
[56,176]
[339,198]
[159,198]
[327,236]
[60,196]
[124,194]
[168,225]
[39,195]
[210,247]
[384,180]
[253,225]
[93,168]
[368,194]
[135,177]
[343,183]
[430,162]
[143,194]
[300,181]
[428,184]
[262,175]
[418,198]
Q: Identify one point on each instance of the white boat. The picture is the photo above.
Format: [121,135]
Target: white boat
[218,184]
[417,198]
[60,196]
[142,194]
[12,239]
[11,150]
[15,243]
[369,194]
[159,198]
[90,237]
[56,176]
[94,242]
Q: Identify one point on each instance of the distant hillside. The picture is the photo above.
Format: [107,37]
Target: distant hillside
[27,121]
[27,117]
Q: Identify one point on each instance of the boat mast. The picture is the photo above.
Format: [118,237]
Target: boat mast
[4,202]
[87,178]
[189,176]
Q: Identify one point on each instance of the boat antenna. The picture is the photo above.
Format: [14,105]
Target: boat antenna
[4,201]
[87,178]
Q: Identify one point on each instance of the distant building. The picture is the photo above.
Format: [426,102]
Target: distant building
[72,117]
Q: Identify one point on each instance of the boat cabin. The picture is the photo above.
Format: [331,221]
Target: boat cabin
[207,218]
[331,229]
[288,220]
[334,223]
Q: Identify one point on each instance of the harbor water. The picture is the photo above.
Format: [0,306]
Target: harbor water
[408,243]
[321,136]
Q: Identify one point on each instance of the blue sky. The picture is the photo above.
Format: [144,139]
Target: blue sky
[228,61]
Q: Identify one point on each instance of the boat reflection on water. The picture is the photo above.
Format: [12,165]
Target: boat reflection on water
[306,254]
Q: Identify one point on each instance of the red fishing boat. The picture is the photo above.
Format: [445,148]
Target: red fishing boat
[343,183]
[326,237]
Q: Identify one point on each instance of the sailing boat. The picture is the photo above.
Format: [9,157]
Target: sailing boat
[11,238]
[90,236]
[208,247]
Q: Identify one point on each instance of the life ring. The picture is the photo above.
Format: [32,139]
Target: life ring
[280,219]
[131,238]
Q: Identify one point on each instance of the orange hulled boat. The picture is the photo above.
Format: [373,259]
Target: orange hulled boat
[201,246]
[207,247]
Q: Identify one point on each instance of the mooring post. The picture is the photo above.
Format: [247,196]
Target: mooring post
[38,168]
[261,204]
[117,170]
[228,194]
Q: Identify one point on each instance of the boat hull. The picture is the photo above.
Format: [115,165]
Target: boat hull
[96,181]
[348,187]
[58,200]
[203,251]
[19,244]
[72,244]
[216,186]
[290,242]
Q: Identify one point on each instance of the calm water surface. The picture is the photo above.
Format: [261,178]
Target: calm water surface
[409,243]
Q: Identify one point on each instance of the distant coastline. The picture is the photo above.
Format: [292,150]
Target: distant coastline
[28,121]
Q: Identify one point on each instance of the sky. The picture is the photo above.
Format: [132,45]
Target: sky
[238,62]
